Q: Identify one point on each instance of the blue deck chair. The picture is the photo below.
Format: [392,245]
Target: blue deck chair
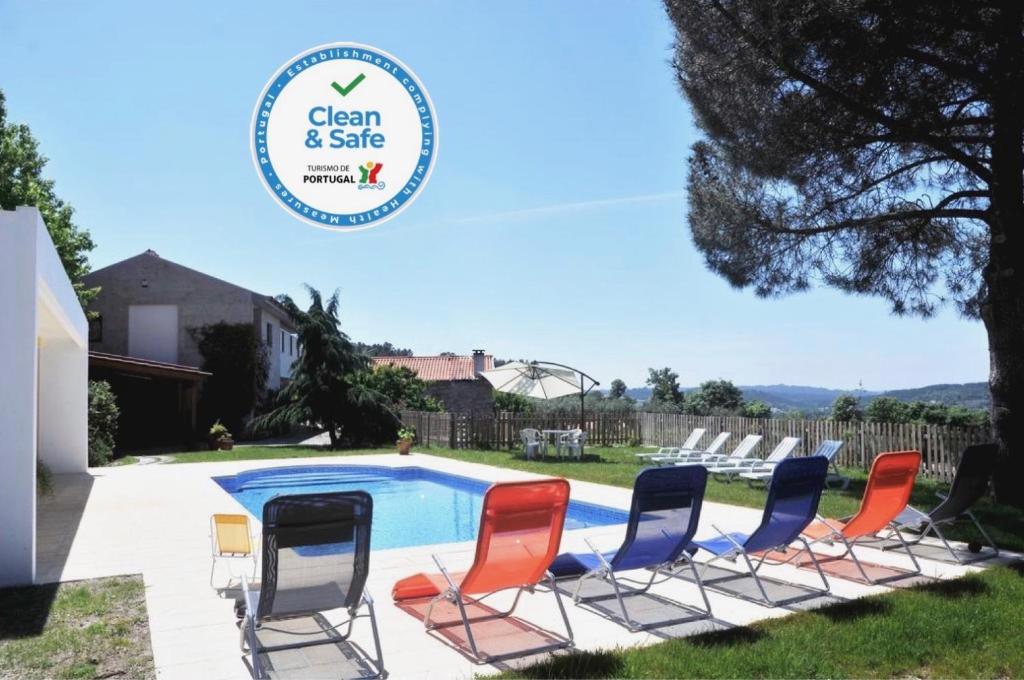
[792,503]
[662,521]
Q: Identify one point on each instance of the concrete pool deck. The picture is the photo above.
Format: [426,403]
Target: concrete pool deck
[154,520]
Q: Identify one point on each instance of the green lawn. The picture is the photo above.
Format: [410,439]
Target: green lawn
[84,629]
[969,628]
[617,466]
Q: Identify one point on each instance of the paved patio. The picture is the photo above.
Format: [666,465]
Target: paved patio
[154,520]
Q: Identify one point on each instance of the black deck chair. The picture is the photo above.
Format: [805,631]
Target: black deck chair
[970,484]
[316,555]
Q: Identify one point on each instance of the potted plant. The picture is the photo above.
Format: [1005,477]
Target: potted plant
[220,437]
[405,437]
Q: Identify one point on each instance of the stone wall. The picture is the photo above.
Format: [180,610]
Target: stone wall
[463,396]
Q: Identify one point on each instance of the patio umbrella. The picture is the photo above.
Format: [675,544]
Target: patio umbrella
[541,380]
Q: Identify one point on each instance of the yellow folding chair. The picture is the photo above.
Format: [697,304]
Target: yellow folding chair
[231,538]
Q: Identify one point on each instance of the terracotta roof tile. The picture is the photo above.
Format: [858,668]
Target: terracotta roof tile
[439,367]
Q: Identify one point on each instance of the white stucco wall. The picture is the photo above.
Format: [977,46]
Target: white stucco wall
[44,368]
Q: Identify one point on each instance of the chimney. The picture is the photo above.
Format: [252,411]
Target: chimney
[478,361]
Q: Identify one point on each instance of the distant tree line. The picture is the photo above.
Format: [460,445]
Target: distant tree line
[723,398]
[848,408]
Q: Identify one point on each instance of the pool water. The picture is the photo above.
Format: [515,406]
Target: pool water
[411,505]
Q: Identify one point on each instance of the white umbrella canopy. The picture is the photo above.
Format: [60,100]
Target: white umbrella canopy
[541,380]
[538,380]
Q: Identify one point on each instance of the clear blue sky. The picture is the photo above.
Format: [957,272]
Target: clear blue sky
[553,227]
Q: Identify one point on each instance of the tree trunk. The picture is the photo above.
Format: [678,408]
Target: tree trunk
[1003,308]
[332,432]
[1004,320]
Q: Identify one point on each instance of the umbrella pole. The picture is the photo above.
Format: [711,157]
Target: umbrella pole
[583,428]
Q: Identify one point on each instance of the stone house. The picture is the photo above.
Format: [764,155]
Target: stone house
[453,380]
[141,341]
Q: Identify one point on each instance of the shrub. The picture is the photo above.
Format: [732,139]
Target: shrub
[103,415]
[219,431]
[236,357]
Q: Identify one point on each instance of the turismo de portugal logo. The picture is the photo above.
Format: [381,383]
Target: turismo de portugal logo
[344,136]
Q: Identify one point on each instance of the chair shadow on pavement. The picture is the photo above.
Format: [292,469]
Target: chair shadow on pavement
[495,636]
[742,585]
[324,654]
[846,568]
[659,616]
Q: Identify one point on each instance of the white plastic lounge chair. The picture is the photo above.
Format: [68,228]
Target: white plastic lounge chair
[663,452]
[742,450]
[725,471]
[827,449]
[693,455]
[689,444]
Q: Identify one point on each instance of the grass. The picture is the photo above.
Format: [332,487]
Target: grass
[123,460]
[83,629]
[968,627]
[617,466]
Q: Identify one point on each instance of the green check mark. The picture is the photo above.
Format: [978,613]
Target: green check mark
[343,91]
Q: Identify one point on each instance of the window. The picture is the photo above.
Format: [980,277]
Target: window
[96,329]
[291,345]
[270,335]
[282,342]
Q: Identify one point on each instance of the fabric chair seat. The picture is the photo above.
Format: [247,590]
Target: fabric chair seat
[721,545]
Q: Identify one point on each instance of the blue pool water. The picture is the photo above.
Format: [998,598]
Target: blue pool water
[411,505]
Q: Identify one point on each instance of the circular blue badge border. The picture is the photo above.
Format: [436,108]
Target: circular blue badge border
[283,196]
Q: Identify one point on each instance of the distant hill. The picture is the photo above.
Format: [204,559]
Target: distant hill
[972,395]
[815,399]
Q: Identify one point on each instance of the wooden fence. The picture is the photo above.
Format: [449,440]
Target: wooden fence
[940,446]
[501,431]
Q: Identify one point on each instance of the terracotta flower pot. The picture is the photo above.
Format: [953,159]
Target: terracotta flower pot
[225,443]
[403,446]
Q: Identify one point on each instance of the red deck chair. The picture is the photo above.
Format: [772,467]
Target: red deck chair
[888,491]
[520,531]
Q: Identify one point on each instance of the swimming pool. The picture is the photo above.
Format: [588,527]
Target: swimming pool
[411,505]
